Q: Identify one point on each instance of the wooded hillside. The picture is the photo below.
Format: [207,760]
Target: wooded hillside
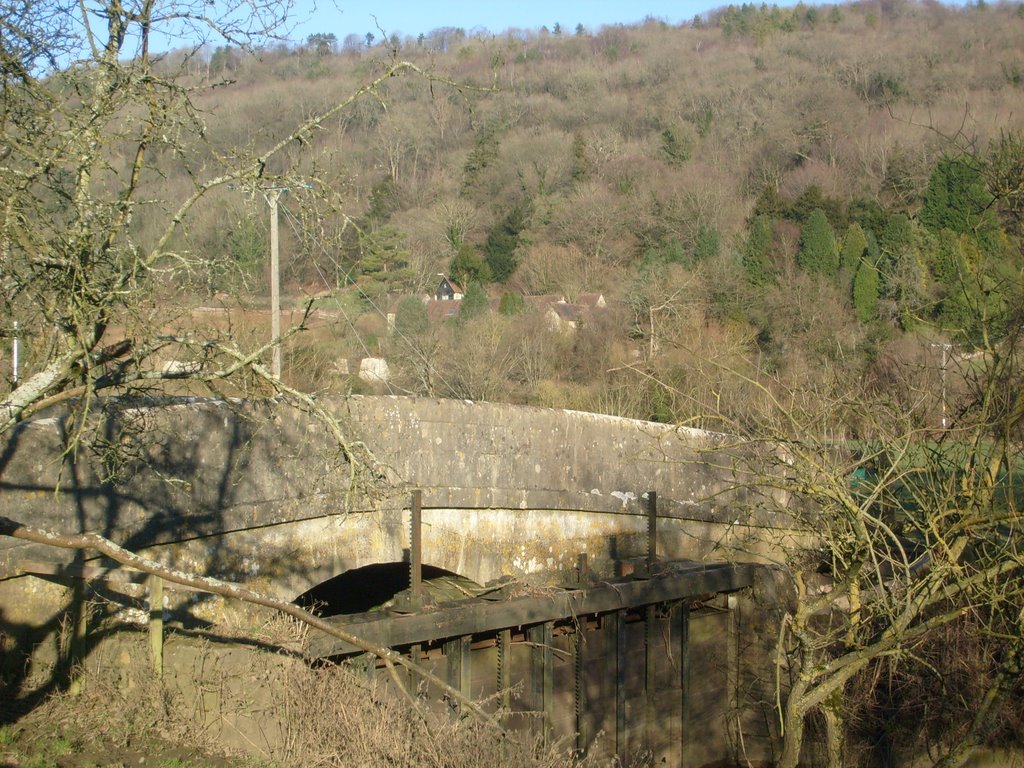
[809,194]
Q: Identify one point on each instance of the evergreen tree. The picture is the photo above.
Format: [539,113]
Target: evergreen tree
[812,199]
[818,254]
[474,304]
[868,213]
[247,244]
[896,236]
[865,291]
[676,148]
[757,259]
[855,244]
[580,170]
[384,257]
[971,295]
[322,42]
[947,262]
[770,203]
[411,317]
[957,198]
[384,201]
[669,251]
[708,244]
[900,269]
[469,266]
[502,241]
[511,303]
[484,152]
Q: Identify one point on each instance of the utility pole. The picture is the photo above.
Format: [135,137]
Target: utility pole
[946,346]
[945,353]
[272,196]
[14,355]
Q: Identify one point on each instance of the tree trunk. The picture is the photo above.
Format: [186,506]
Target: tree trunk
[835,734]
[792,727]
[792,742]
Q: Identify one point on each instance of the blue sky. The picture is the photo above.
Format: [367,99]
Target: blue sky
[410,17]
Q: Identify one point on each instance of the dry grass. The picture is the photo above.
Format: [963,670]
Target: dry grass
[233,706]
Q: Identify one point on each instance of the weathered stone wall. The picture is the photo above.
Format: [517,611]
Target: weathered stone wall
[473,455]
[258,494]
[512,489]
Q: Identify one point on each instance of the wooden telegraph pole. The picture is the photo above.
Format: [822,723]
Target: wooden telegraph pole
[272,196]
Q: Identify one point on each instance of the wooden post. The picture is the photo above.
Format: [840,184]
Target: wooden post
[416,657]
[156,623]
[275,282]
[371,668]
[582,569]
[732,661]
[548,692]
[456,651]
[78,643]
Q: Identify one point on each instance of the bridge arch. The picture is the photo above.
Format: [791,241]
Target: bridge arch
[363,589]
[482,545]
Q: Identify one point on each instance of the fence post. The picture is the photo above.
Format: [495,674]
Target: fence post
[156,623]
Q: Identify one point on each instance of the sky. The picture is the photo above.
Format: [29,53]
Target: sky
[411,17]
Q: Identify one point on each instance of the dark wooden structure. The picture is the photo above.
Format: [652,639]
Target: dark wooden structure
[605,663]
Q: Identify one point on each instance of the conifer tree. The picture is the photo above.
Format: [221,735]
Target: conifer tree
[707,245]
[580,163]
[855,244]
[818,254]
[468,265]
[757,255]
[865,291]
[474,304]
[956,199]
[411,317]
[502,241]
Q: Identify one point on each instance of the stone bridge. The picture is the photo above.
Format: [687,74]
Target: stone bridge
[259,494]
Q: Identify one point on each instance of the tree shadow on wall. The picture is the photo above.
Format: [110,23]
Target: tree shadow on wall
[165,480]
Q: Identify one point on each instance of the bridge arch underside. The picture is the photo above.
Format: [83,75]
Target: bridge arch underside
[374,586]
[483,545]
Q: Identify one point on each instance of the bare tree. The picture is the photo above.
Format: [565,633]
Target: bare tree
[92,245]
[910,532]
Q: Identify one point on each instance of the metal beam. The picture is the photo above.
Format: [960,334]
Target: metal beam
[617,637]
[684,681]
[652,531]
[505,669]
[541,676]
[480,615]
[580,690]
[416,548]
